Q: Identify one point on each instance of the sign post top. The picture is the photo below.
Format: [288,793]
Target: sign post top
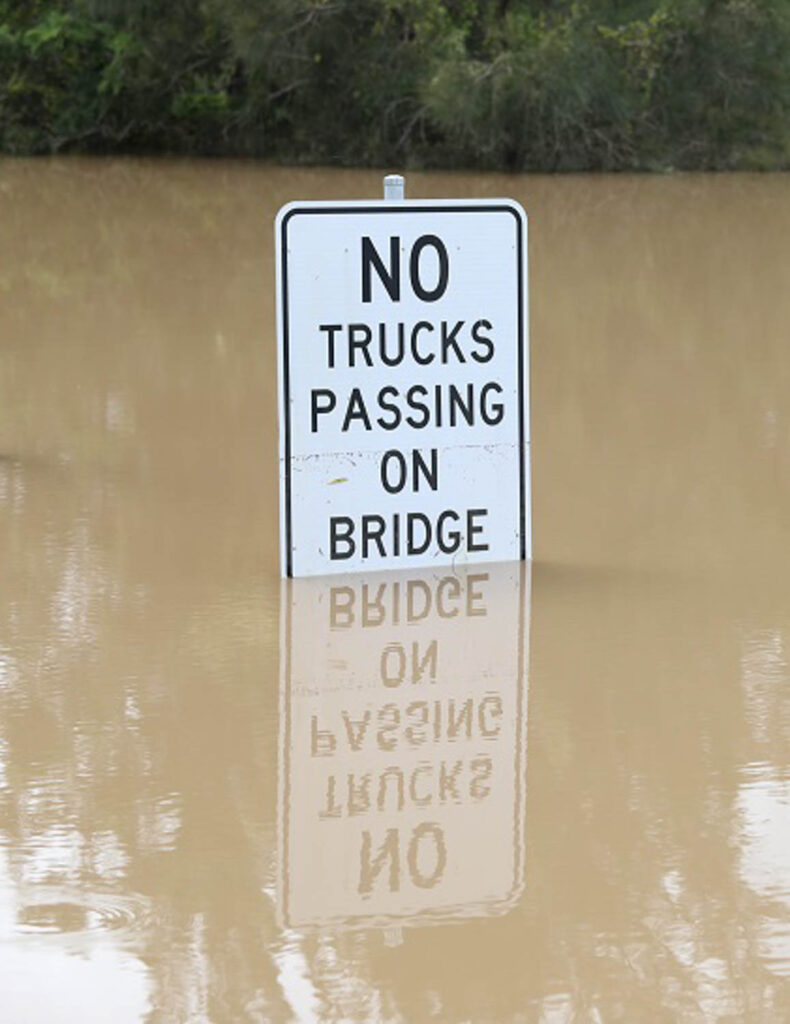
[394,187]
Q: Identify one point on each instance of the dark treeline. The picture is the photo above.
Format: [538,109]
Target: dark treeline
[515,84]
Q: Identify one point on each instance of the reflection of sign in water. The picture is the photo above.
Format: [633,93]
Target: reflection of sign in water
[403,736]
[403,378]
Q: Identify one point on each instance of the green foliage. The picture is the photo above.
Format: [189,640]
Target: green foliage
[525,84]
[690,84]
[72,80]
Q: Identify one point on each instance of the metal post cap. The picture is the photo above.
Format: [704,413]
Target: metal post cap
[394,186]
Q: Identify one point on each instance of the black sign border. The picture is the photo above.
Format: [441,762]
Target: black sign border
[396,207]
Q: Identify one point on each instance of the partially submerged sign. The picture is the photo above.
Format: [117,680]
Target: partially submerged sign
[403,362]
[403,719]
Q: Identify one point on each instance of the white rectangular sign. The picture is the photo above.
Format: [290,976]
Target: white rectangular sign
[404,387]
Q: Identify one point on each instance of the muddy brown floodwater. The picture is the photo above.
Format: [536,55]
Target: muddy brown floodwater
[500,795]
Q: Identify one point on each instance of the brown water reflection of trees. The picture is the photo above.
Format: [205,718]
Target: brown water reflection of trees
[139,674]
[159,773]
[137,757]
[138,704]
[637,904]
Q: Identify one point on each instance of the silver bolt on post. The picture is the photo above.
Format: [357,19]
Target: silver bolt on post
[394,187]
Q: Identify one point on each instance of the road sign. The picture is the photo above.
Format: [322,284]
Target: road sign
[404,388]
[403,716]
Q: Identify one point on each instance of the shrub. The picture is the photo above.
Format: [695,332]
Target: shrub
[519,84]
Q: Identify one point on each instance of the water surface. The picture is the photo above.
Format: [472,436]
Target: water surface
[523,796]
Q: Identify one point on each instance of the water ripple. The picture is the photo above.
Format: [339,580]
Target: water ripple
[64,912]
